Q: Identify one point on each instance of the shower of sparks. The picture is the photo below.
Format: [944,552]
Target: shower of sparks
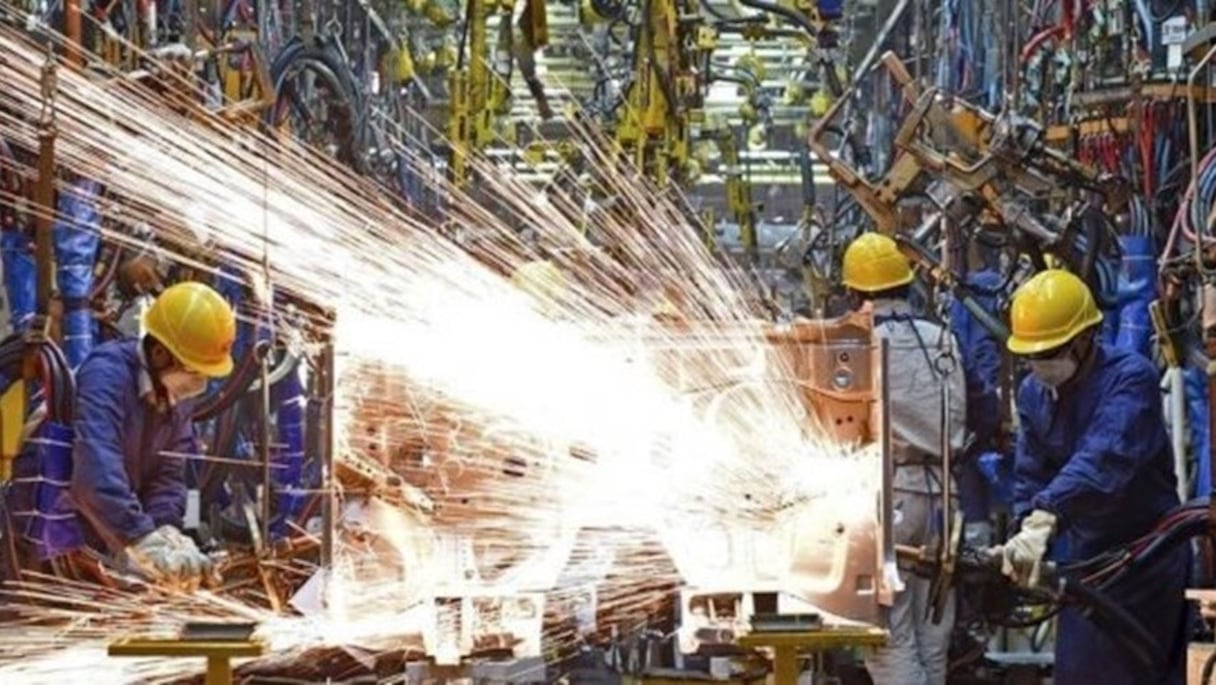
[524,420]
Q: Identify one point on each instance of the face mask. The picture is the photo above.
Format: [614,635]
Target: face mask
[1054,372]
[182,385]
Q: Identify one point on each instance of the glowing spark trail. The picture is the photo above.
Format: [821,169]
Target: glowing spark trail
[448,375]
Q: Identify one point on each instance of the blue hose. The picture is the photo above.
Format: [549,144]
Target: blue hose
[1196,383]
[77,238]
[288,455]
[1106,292]
[20,282]
[997,469]
[230,284]
[1137,289]
[45,515]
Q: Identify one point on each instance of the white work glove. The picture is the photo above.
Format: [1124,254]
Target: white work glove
[1022,556]
[171,559]
[152,555]
[190,566]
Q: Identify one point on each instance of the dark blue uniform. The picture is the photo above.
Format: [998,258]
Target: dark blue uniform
[1099,458]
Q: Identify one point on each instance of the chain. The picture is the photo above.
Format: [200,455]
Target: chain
[50,84]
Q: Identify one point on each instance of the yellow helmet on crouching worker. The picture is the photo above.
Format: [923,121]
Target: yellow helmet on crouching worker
[1049,310]
[873,263]
[197,325]
[540,279]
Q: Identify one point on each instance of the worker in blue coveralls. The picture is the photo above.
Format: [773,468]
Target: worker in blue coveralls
[1094,466]
[133,428]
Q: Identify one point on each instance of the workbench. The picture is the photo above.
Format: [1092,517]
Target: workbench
[787,646]
[217,652]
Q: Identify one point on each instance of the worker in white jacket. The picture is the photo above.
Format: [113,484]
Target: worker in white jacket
[925,378]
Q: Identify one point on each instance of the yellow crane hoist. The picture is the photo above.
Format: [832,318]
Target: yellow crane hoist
[663,101]
[479,84]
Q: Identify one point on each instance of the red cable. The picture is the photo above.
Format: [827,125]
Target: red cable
[1111,149]
[1037,40]
[1147,130]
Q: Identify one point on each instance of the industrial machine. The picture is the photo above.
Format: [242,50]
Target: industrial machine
[823,552]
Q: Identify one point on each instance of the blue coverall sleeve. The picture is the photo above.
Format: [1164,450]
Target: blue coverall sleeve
[982,364]
[100,487]
[1030,474]
[983,406]
[165,496]
[1111,448]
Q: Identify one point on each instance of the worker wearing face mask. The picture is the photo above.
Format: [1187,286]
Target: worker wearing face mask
[1093,466]
[133,428]
[922,358]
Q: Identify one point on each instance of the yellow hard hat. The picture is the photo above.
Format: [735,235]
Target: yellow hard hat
[873,263]
[1049,310]
[540,279]
[197,325]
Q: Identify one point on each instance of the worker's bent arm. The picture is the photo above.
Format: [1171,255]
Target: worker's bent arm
[1112,448]
[166,494]
[100,487]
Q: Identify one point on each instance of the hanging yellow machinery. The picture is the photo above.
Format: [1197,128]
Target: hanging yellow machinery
[479,85]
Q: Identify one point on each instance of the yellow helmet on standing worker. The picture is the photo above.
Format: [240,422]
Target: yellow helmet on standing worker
[1049,310]
[197,325]
[873,263]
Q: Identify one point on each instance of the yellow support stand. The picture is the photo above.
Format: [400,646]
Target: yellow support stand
[217,653]
[13,406]
[787,646]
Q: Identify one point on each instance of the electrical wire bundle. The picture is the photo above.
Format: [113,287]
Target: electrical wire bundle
[1140,220]
[57,384]
[1177,528]
[1199,206]
[968,64]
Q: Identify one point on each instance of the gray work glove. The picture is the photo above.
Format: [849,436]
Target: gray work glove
[1022,556]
